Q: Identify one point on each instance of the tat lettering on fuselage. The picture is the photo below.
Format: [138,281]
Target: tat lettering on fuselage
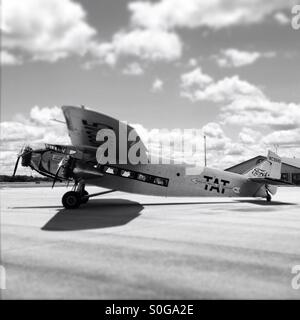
[213,184]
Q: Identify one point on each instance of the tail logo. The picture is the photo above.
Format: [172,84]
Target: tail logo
[257,172]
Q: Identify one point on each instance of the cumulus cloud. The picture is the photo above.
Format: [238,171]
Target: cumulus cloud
[192,62]
[238,58]
[8,58]
[187,145]
[282,18]
[197,86]
[213,129]
[243,102]
[157,85]
[152,35]
[284,138]
[35,130]
[248,136]
[262,112]
[195,78]
[234,149]
[147,44]
[216,139]
[45,30]
[102,53]
[245,106]
[55,29]
[15,131]
[133,69]
[169,14]
[45,116]
[38,128]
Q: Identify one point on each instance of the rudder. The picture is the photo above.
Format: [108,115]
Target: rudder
[269,168]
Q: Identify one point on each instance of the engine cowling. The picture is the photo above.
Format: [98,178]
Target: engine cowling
[26,157]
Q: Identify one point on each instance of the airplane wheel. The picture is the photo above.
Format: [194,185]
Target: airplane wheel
[71,200]
[84,198]
[269,198]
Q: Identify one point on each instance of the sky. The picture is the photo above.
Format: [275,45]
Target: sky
[227,67]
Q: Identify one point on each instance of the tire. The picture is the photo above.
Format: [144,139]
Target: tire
[71,200]
[84,198]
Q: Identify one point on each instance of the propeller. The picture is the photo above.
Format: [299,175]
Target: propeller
[62,165]
[22,153]
[16,166]
[56,174]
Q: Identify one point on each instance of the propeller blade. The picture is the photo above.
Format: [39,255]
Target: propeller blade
[22,150]
[16,166]
[56,175]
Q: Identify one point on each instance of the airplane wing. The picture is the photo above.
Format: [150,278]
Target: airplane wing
[84,124]
[271,181]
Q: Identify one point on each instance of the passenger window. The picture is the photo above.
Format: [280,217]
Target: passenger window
[109,170]
[126,174]
[141,177]
[159,181]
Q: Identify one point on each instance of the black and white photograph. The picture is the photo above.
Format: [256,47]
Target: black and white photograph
[150,150]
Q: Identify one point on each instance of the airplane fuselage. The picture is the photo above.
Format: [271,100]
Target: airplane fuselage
[175,181]
[169,180]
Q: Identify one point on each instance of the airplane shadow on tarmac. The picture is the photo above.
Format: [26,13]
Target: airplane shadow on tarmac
[96,214]
[100,213]
[105,213]
[266,203]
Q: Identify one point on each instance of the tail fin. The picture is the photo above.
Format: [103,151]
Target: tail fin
[269,168]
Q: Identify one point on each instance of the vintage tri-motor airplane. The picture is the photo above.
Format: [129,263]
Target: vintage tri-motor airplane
[79,163]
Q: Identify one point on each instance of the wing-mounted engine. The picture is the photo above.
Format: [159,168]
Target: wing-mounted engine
[65,169]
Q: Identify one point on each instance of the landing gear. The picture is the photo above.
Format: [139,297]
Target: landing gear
[73,199]
[84,197]
[268,196]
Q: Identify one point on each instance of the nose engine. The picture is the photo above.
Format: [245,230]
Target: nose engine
[44,161]
[25,155]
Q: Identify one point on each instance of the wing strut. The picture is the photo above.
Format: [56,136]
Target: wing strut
[100,193]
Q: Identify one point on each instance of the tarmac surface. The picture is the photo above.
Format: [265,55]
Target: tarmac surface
[126,246]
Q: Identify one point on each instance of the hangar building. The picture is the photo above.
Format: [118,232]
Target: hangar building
[290,169]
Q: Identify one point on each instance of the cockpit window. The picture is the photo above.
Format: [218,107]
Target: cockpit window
[60,149]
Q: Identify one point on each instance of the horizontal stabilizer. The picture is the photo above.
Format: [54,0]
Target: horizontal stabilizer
[271,181]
